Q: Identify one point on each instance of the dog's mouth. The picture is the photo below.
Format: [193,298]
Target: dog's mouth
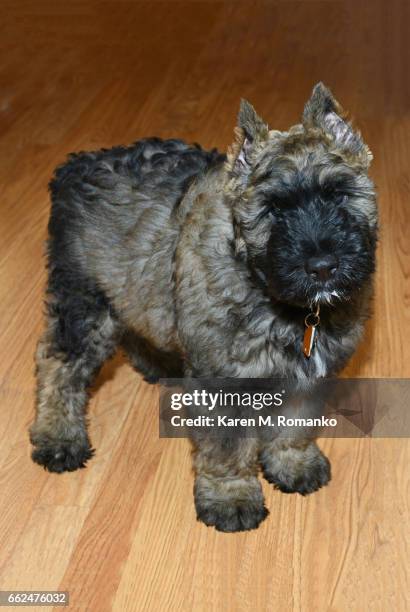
[307,295]
[328,298]
[327,293]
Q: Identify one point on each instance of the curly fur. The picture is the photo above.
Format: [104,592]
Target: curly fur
[194,263]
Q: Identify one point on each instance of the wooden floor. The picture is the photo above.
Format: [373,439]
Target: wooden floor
[121,535]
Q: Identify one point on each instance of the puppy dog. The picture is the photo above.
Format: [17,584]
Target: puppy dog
[204,265]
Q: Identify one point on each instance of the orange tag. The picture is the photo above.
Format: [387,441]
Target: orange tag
[309,340]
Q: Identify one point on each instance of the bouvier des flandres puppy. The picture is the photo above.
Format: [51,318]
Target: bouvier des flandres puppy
[199,264]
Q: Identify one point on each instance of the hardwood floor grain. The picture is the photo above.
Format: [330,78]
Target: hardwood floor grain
[121,535]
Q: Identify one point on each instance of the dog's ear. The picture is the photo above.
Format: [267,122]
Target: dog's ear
[324,112]
[252,125]
[250,133]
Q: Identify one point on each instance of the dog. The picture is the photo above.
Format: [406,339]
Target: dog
[200,264]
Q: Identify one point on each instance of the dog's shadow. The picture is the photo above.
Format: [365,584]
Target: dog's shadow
[358,366]
[109,371]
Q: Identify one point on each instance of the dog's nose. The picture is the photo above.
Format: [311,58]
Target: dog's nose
[322,267]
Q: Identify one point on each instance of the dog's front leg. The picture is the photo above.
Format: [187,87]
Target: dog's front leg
[228,494]
[294,465]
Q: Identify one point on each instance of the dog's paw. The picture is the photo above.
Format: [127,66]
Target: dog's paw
[62,456]
[296,471]
[230,505]
[232,516]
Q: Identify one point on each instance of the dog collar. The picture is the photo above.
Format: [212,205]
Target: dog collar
[312,321]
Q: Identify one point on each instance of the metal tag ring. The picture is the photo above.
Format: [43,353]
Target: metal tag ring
[312,320]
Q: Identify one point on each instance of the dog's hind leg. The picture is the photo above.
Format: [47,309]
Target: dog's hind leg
[81,334]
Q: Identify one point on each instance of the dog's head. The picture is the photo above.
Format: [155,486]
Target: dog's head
[303,203]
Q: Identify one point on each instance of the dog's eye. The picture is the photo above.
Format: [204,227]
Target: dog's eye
[340,198]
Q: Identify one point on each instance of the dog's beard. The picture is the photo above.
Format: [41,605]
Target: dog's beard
[324,296]
[295,288]
[306,294]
